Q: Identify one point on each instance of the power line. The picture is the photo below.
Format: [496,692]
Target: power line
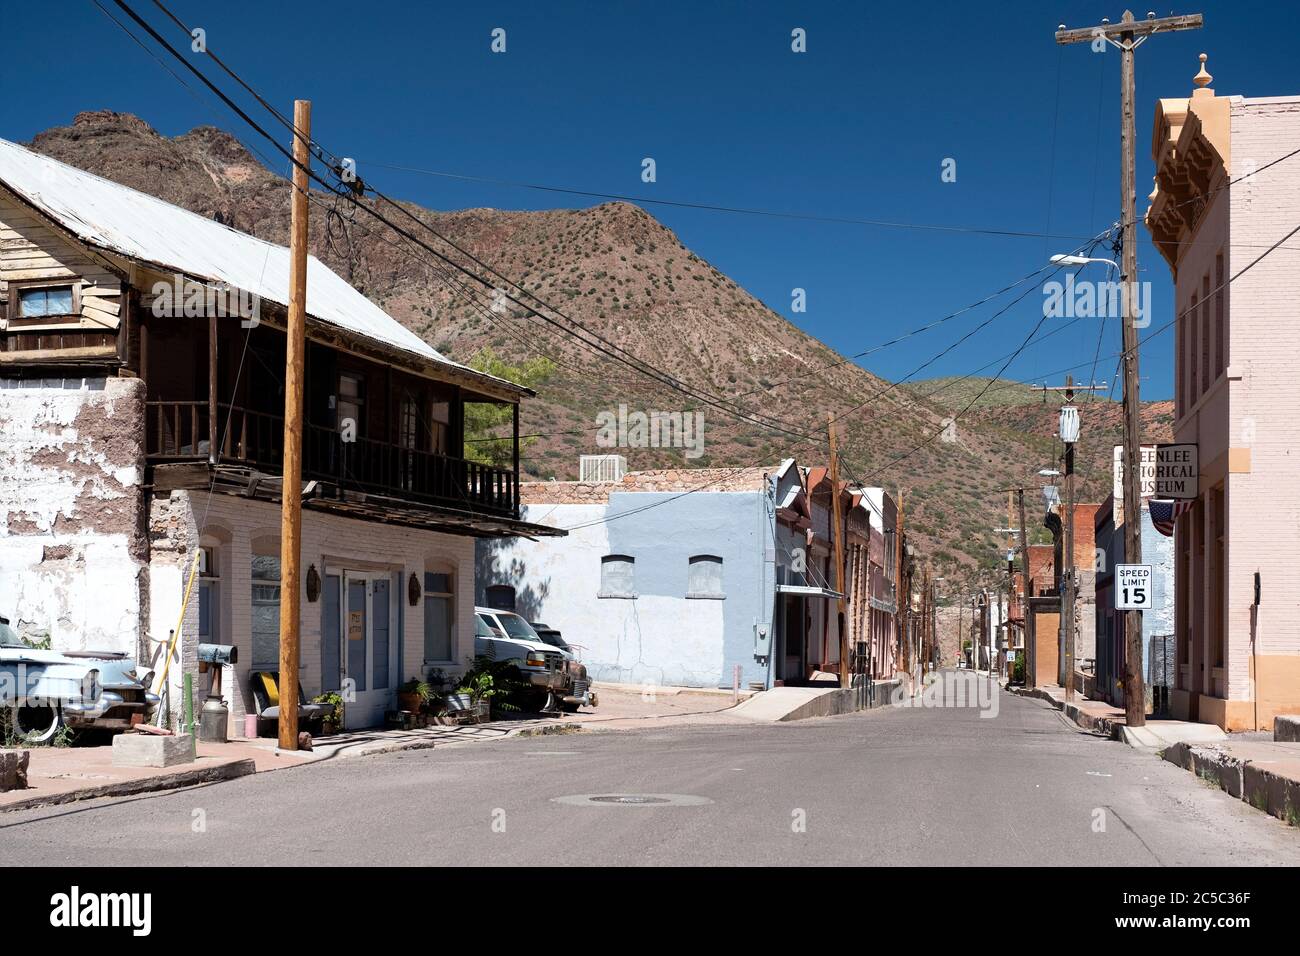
[635,363]
[716,207]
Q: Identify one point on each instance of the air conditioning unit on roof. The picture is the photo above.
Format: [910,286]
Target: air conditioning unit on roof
[601,467]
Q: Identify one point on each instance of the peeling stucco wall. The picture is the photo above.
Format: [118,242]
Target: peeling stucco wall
[73,550]
[173,539]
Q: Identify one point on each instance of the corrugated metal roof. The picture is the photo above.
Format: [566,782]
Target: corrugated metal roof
[142,227]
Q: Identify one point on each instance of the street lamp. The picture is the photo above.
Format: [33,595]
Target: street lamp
[1073,260]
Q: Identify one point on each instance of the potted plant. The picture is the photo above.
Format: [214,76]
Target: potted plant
[413,695]
[479,686]
[331,724]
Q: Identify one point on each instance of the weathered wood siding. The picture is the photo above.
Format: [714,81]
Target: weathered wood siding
[31,249]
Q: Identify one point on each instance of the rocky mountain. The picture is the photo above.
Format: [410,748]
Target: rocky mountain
[625,277]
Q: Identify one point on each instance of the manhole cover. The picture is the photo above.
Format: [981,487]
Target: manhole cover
[634,800]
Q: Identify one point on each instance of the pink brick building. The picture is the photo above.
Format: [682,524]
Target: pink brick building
[1237,397]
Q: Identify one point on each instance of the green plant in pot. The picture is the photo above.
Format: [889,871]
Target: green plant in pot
[334,721]
[488,684]
[413,695]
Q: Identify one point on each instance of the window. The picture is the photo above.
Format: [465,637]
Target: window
[1195,316]
[41,301]
[501,597]
[1220,356]
[266,612]
[616,577]
[439,618]
[1206,352]
[209,598]
[704,577]
[440,425]
[408,437]
[350,401]
[1180,365]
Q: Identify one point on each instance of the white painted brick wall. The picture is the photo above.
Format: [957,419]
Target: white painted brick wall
[236,525]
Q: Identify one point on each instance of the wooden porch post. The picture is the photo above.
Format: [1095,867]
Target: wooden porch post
[212,390]
[516,458]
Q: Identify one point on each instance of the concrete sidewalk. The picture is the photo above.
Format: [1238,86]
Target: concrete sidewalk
[1263,773]
[799,703]
[1108,720]
[67,774]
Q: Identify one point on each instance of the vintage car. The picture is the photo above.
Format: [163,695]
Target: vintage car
[43,692]
[579,692]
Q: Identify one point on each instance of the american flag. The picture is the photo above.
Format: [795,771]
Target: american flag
[1165,511]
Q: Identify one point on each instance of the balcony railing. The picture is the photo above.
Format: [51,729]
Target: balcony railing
[179,431]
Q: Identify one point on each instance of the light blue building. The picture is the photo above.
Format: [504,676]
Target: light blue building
[665,577]
[1157,623]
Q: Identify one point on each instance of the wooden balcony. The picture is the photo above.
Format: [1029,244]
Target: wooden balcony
[179,432]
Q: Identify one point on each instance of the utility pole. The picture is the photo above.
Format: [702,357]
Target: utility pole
[900,615]
[1127,36]
[1067,602]
[837,541]
[291,488]
[1024,572]
[961,626]
[927,635]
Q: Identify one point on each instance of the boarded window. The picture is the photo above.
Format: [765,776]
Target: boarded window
[704,577]
[439,619]
[617,578]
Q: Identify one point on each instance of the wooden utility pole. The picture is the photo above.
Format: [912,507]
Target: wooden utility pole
[900,614]
[1024,571]
[1127,36]
[927,636]
[837,543]
[291,493]
[1068,598]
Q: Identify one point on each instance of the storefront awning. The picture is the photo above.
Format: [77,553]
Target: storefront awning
[807,590]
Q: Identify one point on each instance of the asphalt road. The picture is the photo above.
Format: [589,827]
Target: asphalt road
[894,786]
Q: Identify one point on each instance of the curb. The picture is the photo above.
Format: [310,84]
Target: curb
[542,731]
[126,788]
[672,690]
[1273,793]
[1101,725]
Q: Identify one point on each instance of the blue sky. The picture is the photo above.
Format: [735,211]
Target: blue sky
[856,127]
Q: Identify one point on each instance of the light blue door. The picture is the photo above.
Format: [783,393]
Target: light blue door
[369,654]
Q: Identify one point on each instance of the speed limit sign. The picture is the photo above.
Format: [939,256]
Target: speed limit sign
[1132,587]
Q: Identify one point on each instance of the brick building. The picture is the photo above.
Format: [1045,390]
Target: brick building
[1237,612]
